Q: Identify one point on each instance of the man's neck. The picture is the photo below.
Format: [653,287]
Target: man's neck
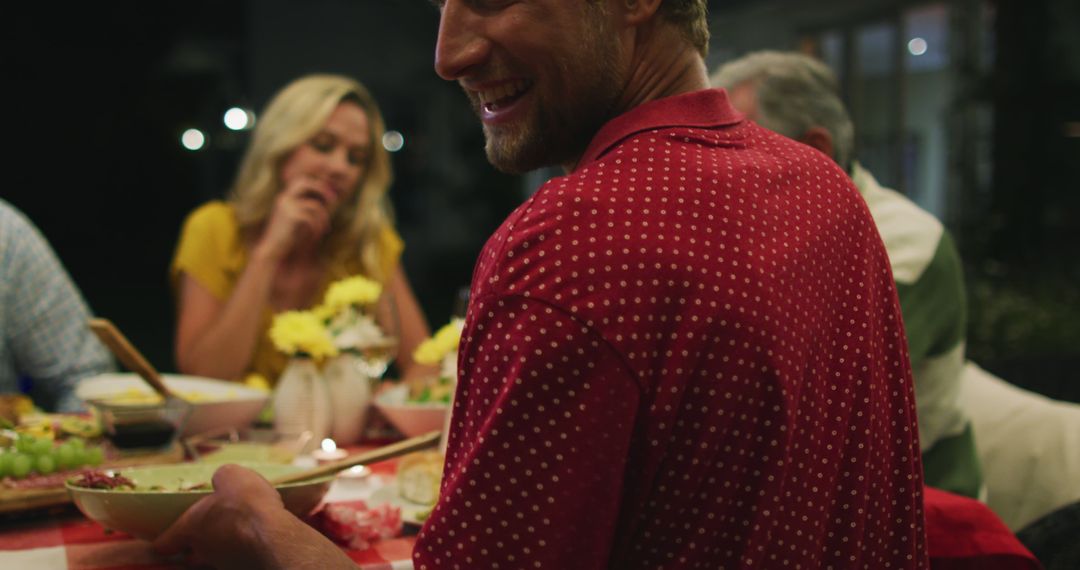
[663,64]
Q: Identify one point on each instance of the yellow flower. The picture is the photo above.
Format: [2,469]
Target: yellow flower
[257,381]
[301,332]
[427,352]
[445,341]
[356,290]
[323,312]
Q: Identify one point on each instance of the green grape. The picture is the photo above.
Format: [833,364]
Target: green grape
[20,465]
[65,456]
[42,447]
[94,456]
[77,443]
[81,457]
[25,443]
[5,463]
[45,464]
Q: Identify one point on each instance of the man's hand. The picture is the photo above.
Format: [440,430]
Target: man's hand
[222,529]
[244,524]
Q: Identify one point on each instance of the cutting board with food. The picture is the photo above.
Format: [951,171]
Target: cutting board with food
[39,452]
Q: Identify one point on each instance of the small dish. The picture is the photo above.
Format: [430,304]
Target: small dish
[143,427]
[411,418]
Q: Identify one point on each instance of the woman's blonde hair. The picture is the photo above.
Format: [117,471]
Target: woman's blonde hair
[294,116]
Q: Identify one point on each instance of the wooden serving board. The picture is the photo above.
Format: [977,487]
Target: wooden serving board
[19,500]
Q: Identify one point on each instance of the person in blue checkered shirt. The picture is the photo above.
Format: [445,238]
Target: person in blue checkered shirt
[43,332]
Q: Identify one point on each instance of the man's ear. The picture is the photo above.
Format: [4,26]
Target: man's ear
[819,138]
[639,11]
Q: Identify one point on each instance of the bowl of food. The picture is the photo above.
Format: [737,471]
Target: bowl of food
[144,501]
[415,411]
[215,404]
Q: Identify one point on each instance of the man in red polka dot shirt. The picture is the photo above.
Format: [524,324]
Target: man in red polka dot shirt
[685,353]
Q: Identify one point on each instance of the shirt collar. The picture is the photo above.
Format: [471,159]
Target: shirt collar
[704,109]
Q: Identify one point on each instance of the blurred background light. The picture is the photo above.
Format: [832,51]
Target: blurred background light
[393,141]
[917,46]
[239,119]
[193,139]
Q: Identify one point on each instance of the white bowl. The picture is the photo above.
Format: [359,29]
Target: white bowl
[146,514]
[220,404]
[411,418]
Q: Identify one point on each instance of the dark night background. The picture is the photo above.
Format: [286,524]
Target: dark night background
[96,96]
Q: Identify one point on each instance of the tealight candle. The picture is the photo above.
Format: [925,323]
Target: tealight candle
[329,452]
[356,472]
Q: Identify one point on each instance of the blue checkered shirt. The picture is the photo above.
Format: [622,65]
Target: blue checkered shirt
[43,332]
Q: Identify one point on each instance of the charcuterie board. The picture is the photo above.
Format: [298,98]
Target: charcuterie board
[42,491]
[39,452]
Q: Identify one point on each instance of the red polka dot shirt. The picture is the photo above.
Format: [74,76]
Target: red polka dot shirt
[687,353]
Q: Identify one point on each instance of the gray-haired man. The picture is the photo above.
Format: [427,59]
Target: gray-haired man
[797,96]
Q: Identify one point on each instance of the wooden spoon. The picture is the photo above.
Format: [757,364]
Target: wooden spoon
[129,356]
[430,439]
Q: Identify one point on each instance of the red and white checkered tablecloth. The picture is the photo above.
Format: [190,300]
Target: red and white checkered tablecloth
[963,534]
[75,543]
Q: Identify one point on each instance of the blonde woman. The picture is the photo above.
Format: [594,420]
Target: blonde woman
[308,207]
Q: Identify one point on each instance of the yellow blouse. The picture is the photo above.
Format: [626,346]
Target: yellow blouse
[211,251]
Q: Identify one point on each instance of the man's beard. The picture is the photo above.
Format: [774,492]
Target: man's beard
[557,133]
[548,138]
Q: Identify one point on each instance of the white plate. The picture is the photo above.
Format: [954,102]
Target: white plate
[222,405]
[410,511]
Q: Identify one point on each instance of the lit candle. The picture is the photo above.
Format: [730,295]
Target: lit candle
[329,452]
[357,472]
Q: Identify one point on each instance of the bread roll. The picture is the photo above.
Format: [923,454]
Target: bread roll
[419,475]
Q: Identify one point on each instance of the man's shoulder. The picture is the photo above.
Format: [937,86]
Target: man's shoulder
[911,234]
[13,222]
[20,239]
[657,201]
[684,153]
[666,181]
[888,202]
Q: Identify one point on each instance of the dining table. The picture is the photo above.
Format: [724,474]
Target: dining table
[63,539]
[962,534]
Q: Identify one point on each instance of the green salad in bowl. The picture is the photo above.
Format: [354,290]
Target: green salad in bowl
[144,501]
[412,414]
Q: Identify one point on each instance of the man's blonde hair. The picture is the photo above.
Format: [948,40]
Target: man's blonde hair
[294,115]
[691,17]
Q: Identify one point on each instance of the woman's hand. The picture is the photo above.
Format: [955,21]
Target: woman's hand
[301,216]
